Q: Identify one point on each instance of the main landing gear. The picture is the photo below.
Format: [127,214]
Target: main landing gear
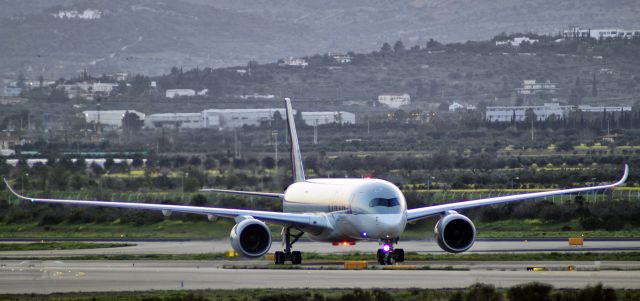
[388,255]
[294,256]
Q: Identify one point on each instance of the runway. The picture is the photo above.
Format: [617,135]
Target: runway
[422,246]
[45,277]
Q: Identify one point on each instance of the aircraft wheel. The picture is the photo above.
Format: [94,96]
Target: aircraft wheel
[279,257]
[380,257]
[398,255]
[296,257]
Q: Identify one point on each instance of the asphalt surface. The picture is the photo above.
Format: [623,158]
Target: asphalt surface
[43,277]
[426,246]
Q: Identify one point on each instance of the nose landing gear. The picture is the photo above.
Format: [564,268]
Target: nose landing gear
[387,255]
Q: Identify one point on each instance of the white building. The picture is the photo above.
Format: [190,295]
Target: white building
[530,87]
[518,113]
[234,118]
[173,93]
[515,42]
[177,120]
[296,62]
[393,100]
[341,58]
[320,118]
[105,88]
[257,96]
[109,118]
[456,106]
[589,108]
[609,33]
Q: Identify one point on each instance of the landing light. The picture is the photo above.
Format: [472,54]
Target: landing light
[386,248]
[364,234]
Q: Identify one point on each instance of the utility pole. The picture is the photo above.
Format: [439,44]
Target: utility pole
[532,137]
[315,132]
[235,144]
[275,144]
[368,127]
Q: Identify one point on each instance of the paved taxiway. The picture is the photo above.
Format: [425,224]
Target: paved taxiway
[426,246]
[71,276]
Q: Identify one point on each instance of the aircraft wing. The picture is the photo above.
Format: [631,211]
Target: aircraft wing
[246,193]
[418,213]
[280,218]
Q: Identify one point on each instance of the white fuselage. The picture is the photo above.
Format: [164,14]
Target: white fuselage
[355,209]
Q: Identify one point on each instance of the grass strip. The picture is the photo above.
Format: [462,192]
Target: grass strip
[58,246]
[410,256]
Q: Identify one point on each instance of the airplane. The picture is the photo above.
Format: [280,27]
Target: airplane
[335,210]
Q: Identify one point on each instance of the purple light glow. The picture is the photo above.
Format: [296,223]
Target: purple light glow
[386,248]
[364,234]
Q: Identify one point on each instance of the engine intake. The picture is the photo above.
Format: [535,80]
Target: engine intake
[251,238]
[455,233]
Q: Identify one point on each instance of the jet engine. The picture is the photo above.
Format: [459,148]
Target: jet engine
[251,238]
[455,232]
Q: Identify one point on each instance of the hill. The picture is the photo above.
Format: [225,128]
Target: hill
[150,36]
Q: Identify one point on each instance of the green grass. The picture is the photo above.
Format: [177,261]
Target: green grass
[370,256]
[170,229]
[58,246]
[301,294]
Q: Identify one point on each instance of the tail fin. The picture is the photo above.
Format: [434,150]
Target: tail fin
[296,158]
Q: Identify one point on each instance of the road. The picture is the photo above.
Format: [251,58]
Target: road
[45,277]
[427,246]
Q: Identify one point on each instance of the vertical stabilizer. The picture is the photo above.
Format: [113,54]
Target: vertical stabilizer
[296,158]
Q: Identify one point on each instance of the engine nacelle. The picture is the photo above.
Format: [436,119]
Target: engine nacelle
[455,232]
[251,238]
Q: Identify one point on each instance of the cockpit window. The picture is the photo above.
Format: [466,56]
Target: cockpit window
[382,202]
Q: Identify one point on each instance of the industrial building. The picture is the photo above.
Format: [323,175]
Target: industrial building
[589,108]
[234,118]
[394,100]
[109,118]
[320,118]
[518,113]
[177,120]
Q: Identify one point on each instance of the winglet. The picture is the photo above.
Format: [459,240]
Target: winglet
[13,191]
[296,158]
[624,177]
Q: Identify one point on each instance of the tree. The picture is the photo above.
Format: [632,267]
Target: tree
[398,47]
[131,124]
[386,48]
[594,86]
[433,44]
[577,93]
[139,85]
[21,82]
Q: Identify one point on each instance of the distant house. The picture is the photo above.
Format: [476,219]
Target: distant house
[456,106]
[9,140]
[516,42]
[530,87]
[11,91]
[394,100]
[103,88]
[173,93]
[341,58]
[296,62]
